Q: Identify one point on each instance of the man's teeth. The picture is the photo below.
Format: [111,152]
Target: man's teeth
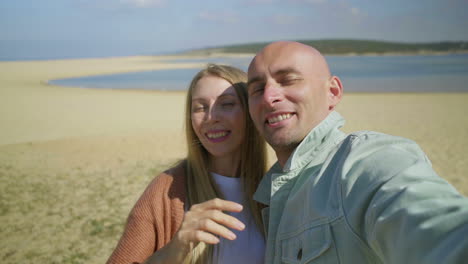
[278,118]
[217,135]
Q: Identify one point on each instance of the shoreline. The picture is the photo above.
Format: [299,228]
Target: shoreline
[190,55]
[350,54]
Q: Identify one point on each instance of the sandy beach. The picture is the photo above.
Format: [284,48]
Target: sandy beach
[73,160]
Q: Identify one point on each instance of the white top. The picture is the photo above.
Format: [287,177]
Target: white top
[249,246]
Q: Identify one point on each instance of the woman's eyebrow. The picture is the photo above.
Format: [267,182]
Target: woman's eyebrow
[227,95]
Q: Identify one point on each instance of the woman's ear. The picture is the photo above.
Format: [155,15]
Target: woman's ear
[335,92]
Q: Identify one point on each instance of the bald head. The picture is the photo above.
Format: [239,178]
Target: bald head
[282,50]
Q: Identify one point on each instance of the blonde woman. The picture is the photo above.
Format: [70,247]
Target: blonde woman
[202,211]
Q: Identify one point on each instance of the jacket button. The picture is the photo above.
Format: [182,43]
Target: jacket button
[299,254]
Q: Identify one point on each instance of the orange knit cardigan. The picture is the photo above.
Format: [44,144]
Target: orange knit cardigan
[154,219]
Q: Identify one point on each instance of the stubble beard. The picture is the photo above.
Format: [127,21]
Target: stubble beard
[282,143]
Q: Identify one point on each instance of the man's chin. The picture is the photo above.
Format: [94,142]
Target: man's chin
[281,144]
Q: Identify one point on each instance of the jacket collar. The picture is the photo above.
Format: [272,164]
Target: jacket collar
[314,142]
[324,135]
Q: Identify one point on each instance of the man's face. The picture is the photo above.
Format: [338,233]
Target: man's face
[288,95]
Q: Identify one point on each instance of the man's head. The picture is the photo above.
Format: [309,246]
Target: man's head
[290,92]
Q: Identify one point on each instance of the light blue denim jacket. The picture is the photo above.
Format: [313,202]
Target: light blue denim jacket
[361,198]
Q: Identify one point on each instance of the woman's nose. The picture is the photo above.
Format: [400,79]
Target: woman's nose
[213,114]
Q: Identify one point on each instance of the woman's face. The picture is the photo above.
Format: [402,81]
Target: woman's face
[217,116]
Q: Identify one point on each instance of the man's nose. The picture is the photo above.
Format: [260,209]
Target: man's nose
[272,93]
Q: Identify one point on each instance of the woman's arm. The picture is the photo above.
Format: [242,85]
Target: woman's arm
[202,223]
[138,240]
[148,228]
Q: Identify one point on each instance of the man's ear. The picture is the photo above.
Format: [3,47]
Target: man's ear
[335,92]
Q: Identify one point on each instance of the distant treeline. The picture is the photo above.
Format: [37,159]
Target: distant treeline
[349,46]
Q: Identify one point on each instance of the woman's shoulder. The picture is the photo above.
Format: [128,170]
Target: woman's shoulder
[175,172]
[170,181]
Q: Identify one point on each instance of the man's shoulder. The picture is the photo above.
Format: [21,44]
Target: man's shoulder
[371,157]
[365,135]
[375,142]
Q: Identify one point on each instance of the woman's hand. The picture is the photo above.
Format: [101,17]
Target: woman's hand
[204,222]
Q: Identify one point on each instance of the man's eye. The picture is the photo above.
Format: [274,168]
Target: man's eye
[256,89]
[289,81]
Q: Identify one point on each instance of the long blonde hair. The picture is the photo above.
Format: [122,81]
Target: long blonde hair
[252,167]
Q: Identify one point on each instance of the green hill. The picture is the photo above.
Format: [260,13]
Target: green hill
[349,46]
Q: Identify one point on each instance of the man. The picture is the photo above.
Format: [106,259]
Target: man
[336,198]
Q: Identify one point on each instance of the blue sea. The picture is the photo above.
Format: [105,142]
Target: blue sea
[429,73]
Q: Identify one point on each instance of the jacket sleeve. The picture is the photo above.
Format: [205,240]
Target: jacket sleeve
[400,207]
[138,241]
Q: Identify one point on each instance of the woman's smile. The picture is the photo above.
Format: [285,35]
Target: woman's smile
[218,135]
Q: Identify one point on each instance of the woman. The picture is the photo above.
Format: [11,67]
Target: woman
[202,210]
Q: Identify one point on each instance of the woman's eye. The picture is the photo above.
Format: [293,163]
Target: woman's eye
[227,105]
[199,108]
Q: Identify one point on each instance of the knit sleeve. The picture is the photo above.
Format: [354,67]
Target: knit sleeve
[139,237]
[154,219]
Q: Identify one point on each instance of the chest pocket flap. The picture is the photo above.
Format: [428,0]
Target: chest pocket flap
[311,245]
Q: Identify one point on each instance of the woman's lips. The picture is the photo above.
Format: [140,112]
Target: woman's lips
[217,136]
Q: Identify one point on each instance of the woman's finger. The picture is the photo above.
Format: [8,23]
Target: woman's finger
[202,236]
[214,228]
[218,204]
[225,219]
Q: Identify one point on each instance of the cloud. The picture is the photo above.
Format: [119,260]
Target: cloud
[219,17]
[310,1]
[354,10]
[315,1]
[114,5]
[144,3]
[284,19]
[262,1]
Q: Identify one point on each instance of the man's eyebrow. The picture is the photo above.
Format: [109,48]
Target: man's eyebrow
[254,79]
[285,71]
[277,73]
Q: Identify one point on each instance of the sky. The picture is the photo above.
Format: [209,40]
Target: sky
[51,29]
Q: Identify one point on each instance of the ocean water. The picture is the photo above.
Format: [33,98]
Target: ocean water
[431,73]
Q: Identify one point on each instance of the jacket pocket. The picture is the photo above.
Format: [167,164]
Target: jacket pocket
[310,245]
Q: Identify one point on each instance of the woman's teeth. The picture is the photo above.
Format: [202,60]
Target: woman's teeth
[217,135]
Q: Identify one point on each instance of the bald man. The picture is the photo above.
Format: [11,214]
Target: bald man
[365,197]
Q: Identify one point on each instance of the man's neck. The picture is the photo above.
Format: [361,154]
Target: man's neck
[283,156]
